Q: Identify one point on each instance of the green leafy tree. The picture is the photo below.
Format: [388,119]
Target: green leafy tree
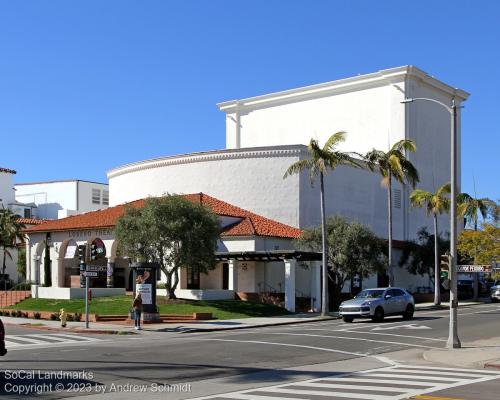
[434,204]
[352,249]
[10,234]
[322,159]
[419,255]
[393,164]
[21,261]
[171,231]
[481,246]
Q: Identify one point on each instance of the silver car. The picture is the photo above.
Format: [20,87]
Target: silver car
[378,303]
[495,292]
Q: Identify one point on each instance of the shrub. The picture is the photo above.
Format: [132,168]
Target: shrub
[77,316]
[25,315]
[13,313]
[54,317]
[19,313]
[37,315]
[69,317]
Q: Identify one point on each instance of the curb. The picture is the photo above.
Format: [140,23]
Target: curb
[232,328]
[494,365]
[73,330]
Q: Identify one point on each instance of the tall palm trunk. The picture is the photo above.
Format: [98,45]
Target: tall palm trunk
[389,209]
[324,268]
[4,267]
[437,286]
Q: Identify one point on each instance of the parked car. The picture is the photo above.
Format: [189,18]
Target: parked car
[378,303]
[465,288]
[3,350]
[495,292]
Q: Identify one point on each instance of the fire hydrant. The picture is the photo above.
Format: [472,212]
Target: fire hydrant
[62,317]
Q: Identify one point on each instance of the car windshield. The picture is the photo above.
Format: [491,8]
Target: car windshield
[369,294]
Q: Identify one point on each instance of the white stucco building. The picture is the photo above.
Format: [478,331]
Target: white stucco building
[59,199]
[267,133]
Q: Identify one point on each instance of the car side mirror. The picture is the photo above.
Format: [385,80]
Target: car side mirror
[387,296]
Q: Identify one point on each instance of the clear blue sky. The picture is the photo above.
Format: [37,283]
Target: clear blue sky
[86,86]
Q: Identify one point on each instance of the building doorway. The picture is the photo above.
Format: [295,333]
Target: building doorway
[225,276]
[193,278]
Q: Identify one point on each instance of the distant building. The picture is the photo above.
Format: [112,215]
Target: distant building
[60,199]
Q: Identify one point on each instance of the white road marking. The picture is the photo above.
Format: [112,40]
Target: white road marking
[353,338]
[407,326]
[337,385]
[38,341]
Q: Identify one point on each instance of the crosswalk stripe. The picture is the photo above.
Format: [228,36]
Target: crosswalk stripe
[56,338]
[349,395]
[412,383]
[407,376]
[396,382]
[62,336]
[27,340]
[455,373]
[357,387]
[424,367]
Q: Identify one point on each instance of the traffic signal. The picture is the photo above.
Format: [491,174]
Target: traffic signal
[445,262]
[81,252]
[93,251]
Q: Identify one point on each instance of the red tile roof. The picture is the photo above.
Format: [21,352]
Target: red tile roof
[7,170]
[31,221]
[250,224]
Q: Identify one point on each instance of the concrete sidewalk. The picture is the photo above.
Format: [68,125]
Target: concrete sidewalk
[180,327]
[446,305]
[478,354]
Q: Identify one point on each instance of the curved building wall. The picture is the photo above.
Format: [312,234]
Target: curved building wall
[248,178]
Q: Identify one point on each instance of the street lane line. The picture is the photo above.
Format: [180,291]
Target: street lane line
[379,358]
[27,340]
[242,396]
[352,338]
[59,339]
[379,333]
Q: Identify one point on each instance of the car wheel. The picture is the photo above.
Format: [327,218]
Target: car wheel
[379,315]
[408,314]
[347,319]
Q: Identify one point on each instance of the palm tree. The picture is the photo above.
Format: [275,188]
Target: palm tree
[470,208]
[393,165]
[320,161]
[435,204]
[10,233]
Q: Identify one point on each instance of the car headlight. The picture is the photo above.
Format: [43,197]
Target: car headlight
[366,303]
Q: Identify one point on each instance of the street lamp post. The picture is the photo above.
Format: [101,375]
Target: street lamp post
[453,340]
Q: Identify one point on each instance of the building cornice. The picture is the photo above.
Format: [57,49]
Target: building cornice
[216,155]
[380,78]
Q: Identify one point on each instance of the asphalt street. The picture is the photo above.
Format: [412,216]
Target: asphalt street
[317,360]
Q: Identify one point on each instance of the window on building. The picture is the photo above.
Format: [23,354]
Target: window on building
[105,197]
[27,213]
[96,196]
[397,198]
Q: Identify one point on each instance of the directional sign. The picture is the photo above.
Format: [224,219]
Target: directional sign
[96,268]
[473,268]
[91,274]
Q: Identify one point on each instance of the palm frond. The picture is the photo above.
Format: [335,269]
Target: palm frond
[404,145]
[298,167]
[334,140]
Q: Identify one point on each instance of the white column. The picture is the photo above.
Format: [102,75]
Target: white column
[28,260]
[290,285]
[233,275]
[316,285]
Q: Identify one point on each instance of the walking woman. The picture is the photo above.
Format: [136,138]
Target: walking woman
[137,306]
